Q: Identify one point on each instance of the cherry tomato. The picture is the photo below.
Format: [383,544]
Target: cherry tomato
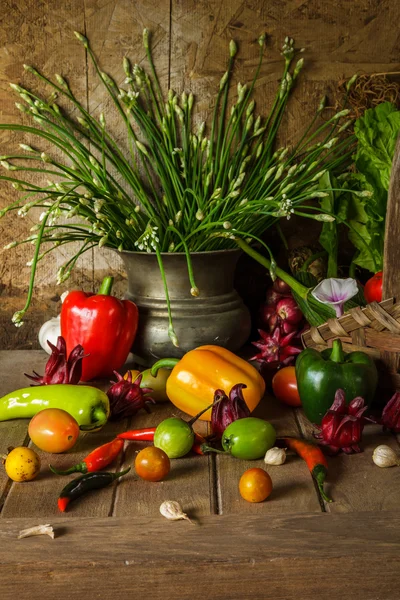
[373,288]
[53,430]
[174,436]
[255,485]
[158,384]
[152,464]
[284,385]
[248,438]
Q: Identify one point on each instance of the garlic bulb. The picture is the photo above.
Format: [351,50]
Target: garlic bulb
[384,456]
[50,330]
[173,511]
[275,456]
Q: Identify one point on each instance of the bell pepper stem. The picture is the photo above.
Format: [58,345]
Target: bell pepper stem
[163,363]
[105,288]
[337,354]
[300,289]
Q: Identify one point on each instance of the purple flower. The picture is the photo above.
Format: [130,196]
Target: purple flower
[335,292]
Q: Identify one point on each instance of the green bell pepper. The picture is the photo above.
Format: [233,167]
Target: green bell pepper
[88,405]
[320,374]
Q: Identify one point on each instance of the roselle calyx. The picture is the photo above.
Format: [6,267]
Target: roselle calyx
[391,414]
[276,347]
[127,397]
[58,368]
[342,426]
[227,409]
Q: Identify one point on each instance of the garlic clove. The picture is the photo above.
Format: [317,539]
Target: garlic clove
[37,530]
[275,456]
[173,511]
[384,456]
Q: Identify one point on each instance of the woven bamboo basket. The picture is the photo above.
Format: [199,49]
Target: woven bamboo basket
[374,329]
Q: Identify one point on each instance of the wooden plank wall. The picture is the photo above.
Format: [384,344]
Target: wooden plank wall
[190,39]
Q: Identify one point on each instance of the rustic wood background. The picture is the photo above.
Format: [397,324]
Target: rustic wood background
[190,41]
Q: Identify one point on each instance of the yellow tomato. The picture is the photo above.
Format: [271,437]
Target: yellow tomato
[22,464]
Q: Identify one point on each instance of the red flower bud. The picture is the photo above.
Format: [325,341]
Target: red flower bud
[276,347]
[226,410]
[58,369]
[127,397]
[391,414]
[342,426]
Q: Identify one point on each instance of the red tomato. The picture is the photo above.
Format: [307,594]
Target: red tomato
[373,288]
[53,430]
[255,485]
[284,385]
[152,464]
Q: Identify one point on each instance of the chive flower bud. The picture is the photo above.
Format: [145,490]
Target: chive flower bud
[223,81]
[190,101]
[232,48]
[351,82]
[146,38]
[142,148]
[127,66]
[10,245]
[199,215]
[325,218]
[82,39]
[26,148]
[61,81]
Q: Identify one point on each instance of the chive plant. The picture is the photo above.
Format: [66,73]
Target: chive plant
[179,187]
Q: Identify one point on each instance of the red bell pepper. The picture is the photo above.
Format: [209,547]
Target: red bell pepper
[104,325]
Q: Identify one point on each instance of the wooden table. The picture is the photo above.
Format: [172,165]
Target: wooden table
[114,543]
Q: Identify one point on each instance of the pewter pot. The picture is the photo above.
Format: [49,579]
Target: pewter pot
[217,316]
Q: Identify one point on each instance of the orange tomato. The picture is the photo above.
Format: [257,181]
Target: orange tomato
[53,430]
[152,464]
[284,386]
[255,485]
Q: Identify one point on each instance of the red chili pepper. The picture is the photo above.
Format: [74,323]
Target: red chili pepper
[314,457]
[140,435]
[105,326]
[147,435]
[95,461]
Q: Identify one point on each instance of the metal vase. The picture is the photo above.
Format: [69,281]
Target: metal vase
[217,316]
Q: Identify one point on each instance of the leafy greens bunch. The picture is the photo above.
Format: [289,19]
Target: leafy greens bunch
[181,187]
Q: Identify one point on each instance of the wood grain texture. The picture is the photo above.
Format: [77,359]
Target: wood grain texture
[340,38]
[264,557]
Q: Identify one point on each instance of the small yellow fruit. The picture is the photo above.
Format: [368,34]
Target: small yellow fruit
[22,464]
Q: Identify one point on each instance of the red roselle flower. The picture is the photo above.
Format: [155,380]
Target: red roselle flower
[58,369]
[391,414]
[342,426]
[127,397]
[226,410]
[276,347]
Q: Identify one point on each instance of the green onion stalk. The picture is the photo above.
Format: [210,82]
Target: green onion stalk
[179,187]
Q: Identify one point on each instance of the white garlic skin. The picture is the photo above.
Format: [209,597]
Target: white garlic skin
[384,456]
[173,511]
[275,456]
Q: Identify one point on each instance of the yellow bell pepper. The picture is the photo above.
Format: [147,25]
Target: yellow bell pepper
[196,376]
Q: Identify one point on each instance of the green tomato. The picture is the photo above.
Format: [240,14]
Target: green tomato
[174,436]
[248,438]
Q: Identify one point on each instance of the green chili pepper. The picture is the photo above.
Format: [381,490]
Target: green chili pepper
[84,484]
[320,374]
[88,405]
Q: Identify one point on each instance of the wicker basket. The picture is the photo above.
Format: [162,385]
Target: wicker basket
[374,329]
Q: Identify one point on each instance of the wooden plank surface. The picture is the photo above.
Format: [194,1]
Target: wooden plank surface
[263,557]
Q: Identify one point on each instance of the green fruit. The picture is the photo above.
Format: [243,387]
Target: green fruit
[174,436]
[248,438]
